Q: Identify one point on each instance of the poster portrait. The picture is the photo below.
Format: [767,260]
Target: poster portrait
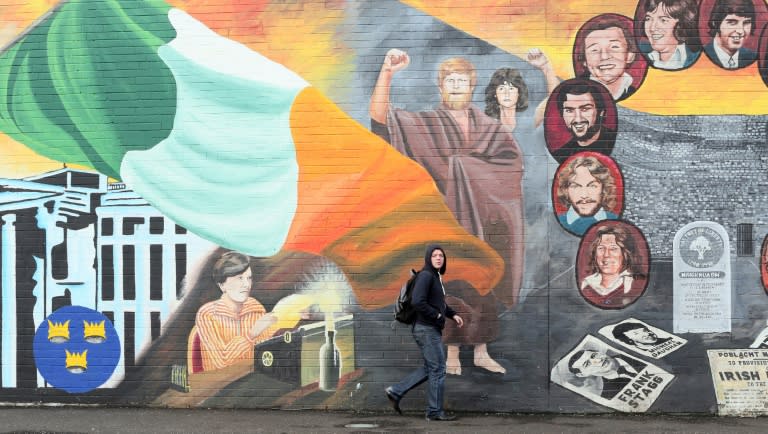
[643,338]
[761,340]
[610,377]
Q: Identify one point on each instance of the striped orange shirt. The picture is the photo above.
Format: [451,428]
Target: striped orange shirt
[224,333]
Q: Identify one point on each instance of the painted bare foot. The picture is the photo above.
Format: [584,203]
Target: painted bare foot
[483,360]
[490,364]
[452,363]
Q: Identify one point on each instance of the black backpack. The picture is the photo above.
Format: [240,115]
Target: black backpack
[404,311]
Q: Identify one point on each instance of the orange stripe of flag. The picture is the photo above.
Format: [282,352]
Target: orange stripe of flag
[372,210]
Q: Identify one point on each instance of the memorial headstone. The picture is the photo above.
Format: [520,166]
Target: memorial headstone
[701,279]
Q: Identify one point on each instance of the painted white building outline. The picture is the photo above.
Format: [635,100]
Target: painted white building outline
[96,245]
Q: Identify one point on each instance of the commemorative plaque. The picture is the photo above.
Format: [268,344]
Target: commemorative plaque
[701,279]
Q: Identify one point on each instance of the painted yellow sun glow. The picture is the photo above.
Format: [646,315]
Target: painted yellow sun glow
[308,37]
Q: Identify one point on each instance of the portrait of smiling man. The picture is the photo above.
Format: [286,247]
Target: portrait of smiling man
[583,110]
[606,48]
[671,28]
[731,23]
[586,188]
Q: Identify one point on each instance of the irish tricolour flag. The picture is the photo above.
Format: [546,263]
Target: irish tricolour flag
[235,147]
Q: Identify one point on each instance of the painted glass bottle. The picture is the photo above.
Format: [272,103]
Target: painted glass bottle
[330,362]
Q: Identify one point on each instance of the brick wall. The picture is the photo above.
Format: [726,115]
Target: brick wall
[214,204]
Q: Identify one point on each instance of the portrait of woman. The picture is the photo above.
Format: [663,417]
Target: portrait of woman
[507,92]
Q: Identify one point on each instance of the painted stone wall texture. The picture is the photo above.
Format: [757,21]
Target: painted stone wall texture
[216,203]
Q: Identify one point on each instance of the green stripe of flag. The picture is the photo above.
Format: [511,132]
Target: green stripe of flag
[86,85]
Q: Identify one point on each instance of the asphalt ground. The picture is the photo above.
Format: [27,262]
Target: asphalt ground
[61,419]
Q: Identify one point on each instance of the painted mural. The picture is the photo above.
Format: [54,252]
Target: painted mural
[216,203]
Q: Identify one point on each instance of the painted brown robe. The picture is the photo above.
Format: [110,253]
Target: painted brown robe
[480,179]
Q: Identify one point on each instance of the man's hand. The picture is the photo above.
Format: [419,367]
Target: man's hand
[459,321]
[537,58]
[396,60]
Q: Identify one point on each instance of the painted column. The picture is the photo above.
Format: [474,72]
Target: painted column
[9,326]
[142,329]
[118,305]
[168,303]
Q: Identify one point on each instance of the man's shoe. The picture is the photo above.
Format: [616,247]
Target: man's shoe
[394,400]
[442,417]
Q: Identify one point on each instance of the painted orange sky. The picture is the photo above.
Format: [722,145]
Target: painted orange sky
[517,25]
[18,161]
[17,16]
[305,36]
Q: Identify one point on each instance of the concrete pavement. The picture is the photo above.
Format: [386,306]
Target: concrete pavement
[51,419]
